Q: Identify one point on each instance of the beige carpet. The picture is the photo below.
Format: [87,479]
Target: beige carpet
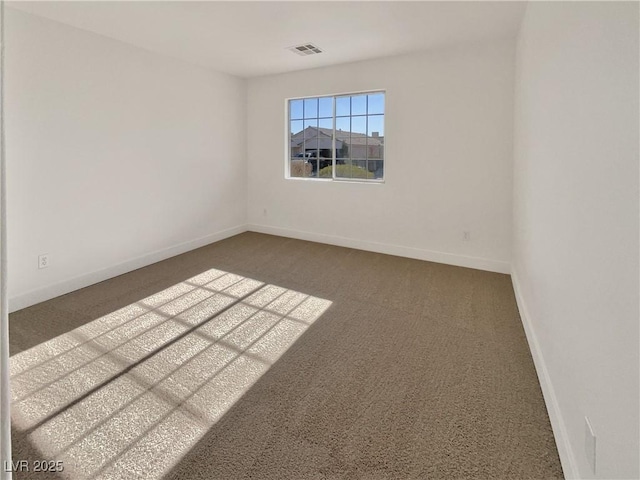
[269,358]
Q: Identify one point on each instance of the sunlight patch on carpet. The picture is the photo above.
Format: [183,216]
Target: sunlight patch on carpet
[128,394]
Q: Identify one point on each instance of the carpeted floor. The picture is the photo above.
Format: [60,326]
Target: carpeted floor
[270,358]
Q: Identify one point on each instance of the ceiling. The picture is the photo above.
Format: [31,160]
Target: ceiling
[251,38]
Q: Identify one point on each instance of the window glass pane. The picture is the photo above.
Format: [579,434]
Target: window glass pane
[343,124]
[311,128]
[325,166]
[325,107]
[362,171]
[375,126]
[295,109]
[342,146]
[376,168]
[374,150]
[327,171]
[299,167]
[375,103]
[311,145]
[325,145]
[310,107]
[296,127]
[359,105]
[343,106]
[297,146]
[360,164]
[359,124]
[296,137]
[354,169]
[326,124]
[357,146]
[343,168]
[313,155]
[343,139]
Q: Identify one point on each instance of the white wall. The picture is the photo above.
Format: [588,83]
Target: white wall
[117,157]
[448,135]
[575,261]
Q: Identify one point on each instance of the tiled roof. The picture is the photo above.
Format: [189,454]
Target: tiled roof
[350,138]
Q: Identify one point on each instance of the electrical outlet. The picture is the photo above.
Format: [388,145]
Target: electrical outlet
[590,444]
[466,236]
[43,261]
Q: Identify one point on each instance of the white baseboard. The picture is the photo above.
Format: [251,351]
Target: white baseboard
[565,451]
[51,291]
[409,252]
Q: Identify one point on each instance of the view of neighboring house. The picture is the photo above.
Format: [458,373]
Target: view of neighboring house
[349,145]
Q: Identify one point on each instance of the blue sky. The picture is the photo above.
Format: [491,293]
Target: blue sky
[357,113]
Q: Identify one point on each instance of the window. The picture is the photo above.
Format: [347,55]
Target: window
[337,137]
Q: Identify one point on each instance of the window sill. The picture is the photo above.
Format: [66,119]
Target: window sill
[337,180]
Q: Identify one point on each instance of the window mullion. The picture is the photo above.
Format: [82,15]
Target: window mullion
[366,136]
[333,142]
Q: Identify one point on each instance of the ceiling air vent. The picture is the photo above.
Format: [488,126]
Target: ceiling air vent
[306,49]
